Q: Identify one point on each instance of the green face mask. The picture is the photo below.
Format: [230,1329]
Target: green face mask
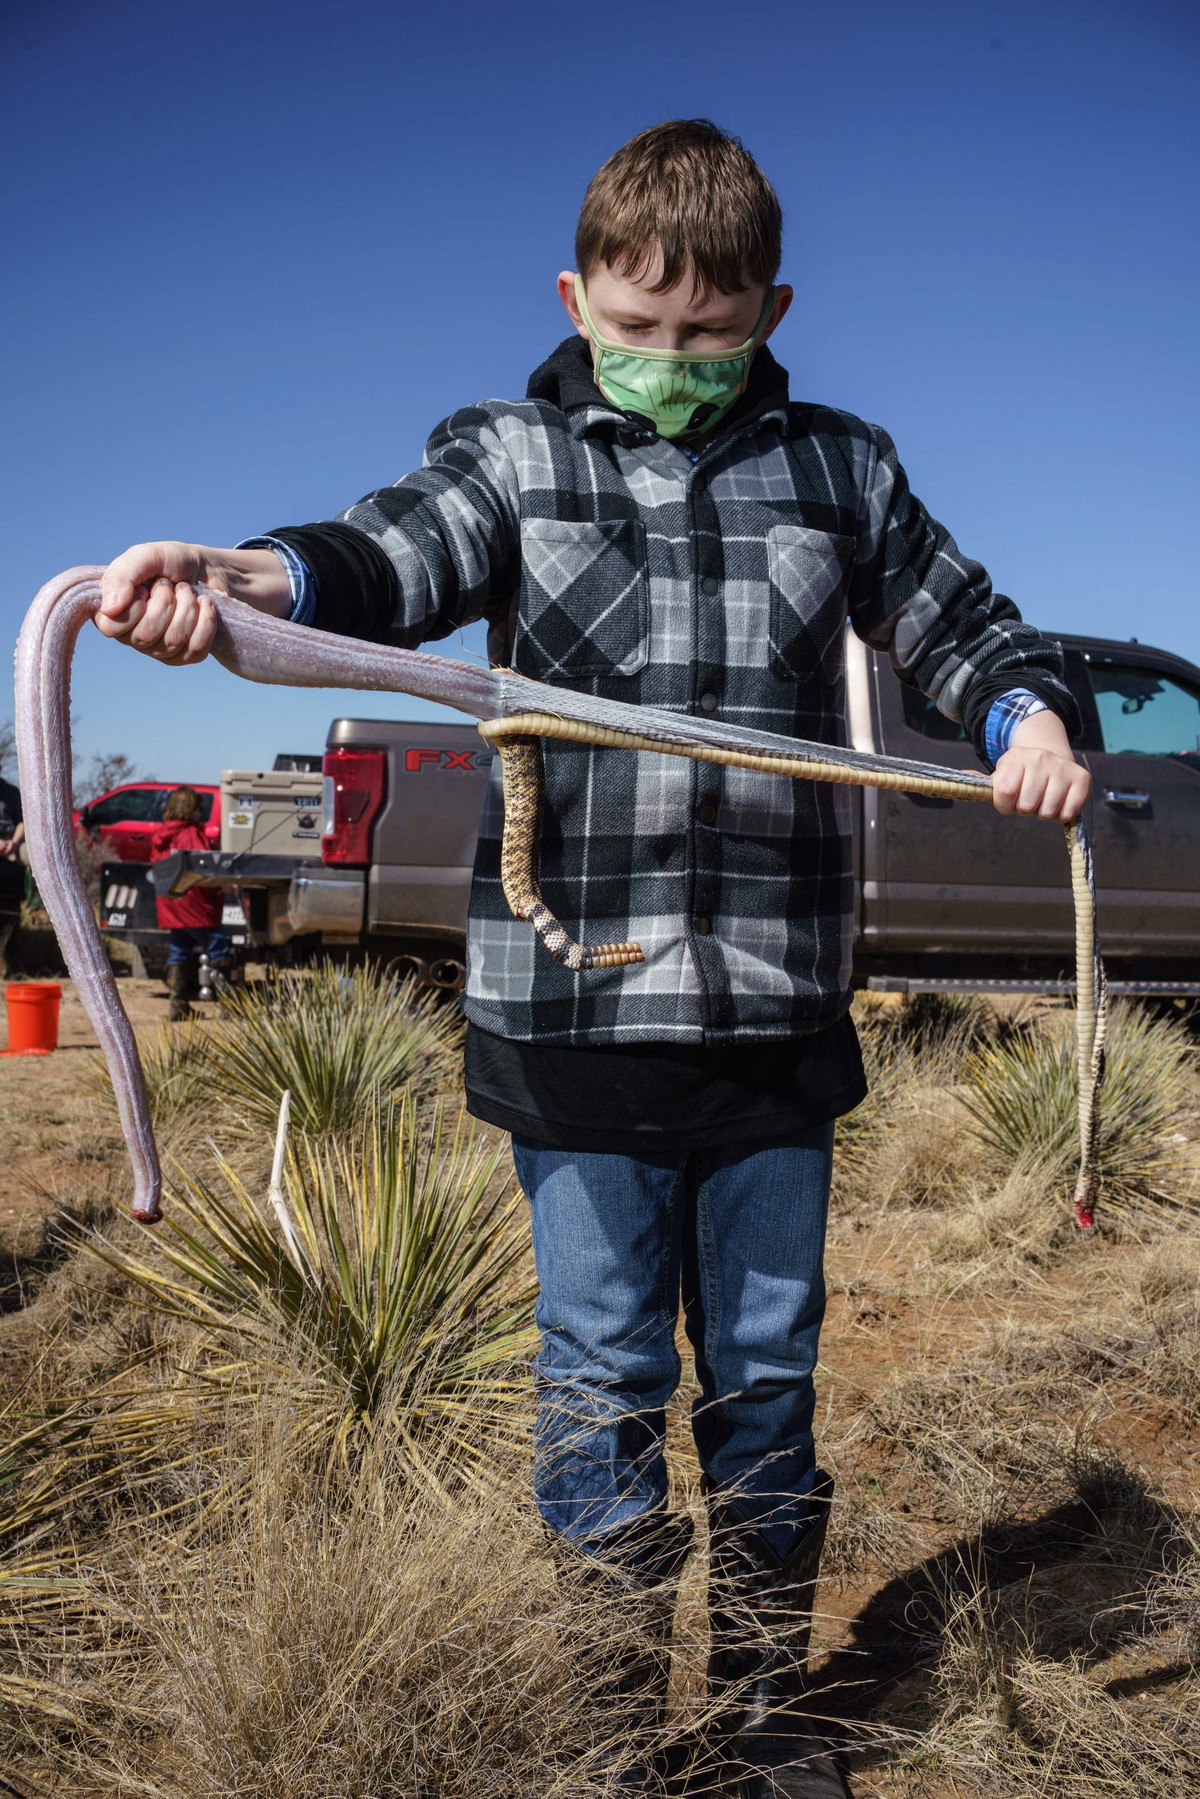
[677,390]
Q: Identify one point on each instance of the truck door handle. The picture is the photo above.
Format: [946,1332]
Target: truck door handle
[1133,799]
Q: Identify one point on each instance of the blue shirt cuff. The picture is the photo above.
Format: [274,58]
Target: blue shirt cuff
[304,590]
[1004,715]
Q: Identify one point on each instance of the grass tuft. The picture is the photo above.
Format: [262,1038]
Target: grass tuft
[1014,1723]
[377,1630]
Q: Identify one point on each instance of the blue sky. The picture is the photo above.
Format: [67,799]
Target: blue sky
[254,252]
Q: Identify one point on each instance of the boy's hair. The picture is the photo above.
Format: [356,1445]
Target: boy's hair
[690,190]
[182,803]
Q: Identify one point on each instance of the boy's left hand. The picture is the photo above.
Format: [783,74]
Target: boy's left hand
[1039,776]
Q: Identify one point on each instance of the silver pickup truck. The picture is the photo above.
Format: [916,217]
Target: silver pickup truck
[947,894]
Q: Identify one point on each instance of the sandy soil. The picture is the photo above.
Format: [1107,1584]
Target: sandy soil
[55,1111]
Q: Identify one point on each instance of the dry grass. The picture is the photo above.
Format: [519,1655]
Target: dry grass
[381,1630]
[226,1605]
[1014,1723]
[1005,1228]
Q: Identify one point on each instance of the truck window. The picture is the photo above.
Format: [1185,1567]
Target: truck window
[1146,712]
[922,715]
[138,803]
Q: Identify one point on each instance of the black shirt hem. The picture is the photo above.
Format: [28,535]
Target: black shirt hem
[784,1127]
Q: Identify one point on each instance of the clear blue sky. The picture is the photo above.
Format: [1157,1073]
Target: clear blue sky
[254,252]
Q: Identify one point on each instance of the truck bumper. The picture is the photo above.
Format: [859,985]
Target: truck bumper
[418,900]
[328,900]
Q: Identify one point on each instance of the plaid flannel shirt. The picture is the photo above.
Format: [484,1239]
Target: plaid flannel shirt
[611,560]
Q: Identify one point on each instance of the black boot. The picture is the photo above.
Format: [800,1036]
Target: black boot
[760,1611]
[177,987]
[635,1568]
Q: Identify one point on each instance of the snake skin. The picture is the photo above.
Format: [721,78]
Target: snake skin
[269,650]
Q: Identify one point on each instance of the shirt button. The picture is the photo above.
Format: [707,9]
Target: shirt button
[702,927]
[706,814]
[710,585]
[708,702]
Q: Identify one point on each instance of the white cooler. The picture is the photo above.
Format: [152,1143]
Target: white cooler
[272,812]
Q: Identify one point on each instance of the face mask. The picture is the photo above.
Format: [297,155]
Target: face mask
[677,390]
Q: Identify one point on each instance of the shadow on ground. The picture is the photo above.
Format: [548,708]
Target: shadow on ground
[1077,1578]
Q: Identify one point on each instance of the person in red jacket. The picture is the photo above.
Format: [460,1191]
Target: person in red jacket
[194,919]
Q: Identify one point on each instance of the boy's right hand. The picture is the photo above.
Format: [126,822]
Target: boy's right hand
[148,596]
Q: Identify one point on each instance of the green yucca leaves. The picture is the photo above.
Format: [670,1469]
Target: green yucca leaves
[397,1270]
[333,1040]
[178,1072]
[1023,1098]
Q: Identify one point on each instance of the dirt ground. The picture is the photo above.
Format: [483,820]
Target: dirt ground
[56,1112]
[897,1310]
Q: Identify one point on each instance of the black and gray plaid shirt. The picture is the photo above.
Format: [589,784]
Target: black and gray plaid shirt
[613,561]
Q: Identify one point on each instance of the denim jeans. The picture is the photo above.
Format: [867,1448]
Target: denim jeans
[185,940]
[617,1239]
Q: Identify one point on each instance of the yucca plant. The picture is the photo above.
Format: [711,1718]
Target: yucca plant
[1023,1098]
[396,1262]
[331,1039]
[178,1069]
[941,1028]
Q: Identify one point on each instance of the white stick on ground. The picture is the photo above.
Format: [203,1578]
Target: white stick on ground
[275,1195]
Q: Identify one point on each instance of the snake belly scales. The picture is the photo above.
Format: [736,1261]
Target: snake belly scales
[516,713]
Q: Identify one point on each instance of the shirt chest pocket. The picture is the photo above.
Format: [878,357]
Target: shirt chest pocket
[585,600]
[808,572]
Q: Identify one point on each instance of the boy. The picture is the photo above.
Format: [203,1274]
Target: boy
[658,522]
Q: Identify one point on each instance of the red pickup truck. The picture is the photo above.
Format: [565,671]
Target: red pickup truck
[126,818]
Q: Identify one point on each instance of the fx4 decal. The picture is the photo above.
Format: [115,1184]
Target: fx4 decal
[471,762]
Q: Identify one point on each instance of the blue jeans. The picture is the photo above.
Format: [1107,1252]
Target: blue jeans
[616,1239]
[185,940]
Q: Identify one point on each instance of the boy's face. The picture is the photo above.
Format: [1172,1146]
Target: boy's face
[682,318]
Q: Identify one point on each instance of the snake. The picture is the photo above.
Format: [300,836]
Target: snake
[515,715]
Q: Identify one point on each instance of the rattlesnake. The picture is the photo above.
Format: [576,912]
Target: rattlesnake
[516,713]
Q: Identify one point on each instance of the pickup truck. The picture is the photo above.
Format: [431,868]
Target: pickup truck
[947,894]
[125,818]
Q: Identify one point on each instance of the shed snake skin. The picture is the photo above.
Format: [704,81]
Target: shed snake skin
[516,713]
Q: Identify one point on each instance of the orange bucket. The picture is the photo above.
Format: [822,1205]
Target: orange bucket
[32,1016]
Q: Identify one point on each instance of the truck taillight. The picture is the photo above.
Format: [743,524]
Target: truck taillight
[355,782]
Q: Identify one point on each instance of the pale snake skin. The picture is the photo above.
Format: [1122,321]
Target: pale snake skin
[518,712]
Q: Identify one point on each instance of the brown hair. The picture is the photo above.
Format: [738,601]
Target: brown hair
[182,803]
[690,190]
